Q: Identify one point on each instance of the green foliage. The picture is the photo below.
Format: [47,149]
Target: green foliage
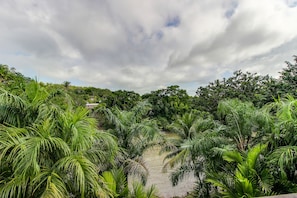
[23,109]
[116,182]
[124,100]
[245,124]
[248,179]
[288,79]
[168,103]
[50,152]
[66,84]
[191,150]
[245,86]
[237,136]
[138,191]
[135,133]
[11,80]
[282,158]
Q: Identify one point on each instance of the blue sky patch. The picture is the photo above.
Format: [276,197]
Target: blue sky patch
[173,22]
[227,74]
[159,35]
[292,3]
[20,53]
[230,12]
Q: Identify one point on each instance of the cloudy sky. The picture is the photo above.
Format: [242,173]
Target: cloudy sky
[146,45]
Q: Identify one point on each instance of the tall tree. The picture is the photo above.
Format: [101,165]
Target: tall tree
[135,134]
[55,153]
[242,127]
[66,84]
[190,151]
[283,145]
[12,80]
[288,79]
[23,109]
[124,100]
[245,124]
[168,103]
[250,178]
[245,86]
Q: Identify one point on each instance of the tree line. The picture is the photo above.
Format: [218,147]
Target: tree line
[237,136]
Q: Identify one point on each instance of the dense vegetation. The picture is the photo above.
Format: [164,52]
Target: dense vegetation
[238,136]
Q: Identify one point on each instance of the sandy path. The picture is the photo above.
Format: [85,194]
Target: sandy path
[154,162]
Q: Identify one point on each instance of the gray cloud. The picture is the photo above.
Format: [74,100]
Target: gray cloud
[145,45]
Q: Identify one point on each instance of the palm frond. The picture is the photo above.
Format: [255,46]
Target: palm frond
[13,109]
[253,155]
[152,192]
[15,187]
[232,156]
[110,182]
[138,191]
[137,167]
[181,172]
[115,182]
[141,110]
[54,185]
[283,157]
[225,184]
[176,158]
[82,172]
[103,149]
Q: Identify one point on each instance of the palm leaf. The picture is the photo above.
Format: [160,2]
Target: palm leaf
[54,185]
[232,156]
[138,168]
[253,155]
[15,187]
[83,173]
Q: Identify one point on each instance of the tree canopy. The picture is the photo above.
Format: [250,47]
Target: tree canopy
[237,137]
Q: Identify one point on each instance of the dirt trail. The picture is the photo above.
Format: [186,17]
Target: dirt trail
[154,162]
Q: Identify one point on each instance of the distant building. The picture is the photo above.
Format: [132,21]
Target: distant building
[91,105]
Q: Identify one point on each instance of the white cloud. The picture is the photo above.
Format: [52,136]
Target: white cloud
[144,45]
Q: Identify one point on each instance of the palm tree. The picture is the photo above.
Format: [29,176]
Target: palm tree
[183,129]
[245,124]
[286,121]
[184,125]
[190,152]
[116,182]
[282,162]
[138,191]
[250,179]
[22,110]
[135,133]
[283,145]
[241,126]
[55,153]
[66,84]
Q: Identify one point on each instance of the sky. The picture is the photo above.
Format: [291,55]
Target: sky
[146,45]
